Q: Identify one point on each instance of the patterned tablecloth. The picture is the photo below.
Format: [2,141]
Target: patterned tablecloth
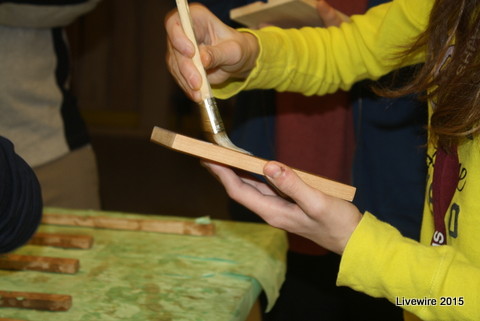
[133,275]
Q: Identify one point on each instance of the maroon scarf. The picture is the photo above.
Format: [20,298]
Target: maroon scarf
[445,181]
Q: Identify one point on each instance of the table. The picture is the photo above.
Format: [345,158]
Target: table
[136,275]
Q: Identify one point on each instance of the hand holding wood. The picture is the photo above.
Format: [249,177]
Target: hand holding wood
[318,210]
[308,212]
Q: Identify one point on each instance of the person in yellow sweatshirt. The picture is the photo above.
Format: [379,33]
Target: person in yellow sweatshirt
[437,278]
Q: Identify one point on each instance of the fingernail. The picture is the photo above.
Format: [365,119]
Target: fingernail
[194,82]
[273,171]
[207,58]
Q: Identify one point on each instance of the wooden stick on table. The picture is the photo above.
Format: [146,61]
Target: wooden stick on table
[39,263]
[62,240]
[242,161]
[35,300]
[162,226]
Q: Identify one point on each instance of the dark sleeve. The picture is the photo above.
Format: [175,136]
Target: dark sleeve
[20,199]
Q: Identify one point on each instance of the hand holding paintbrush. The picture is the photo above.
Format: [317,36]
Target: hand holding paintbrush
[287,201]
[232,58]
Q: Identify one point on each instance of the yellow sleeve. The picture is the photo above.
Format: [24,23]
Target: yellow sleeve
[317,61]
[382,263]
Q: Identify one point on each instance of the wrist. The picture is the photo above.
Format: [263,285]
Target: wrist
[251,52]
[349,228]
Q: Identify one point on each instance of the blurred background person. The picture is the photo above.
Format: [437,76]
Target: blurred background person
[39,113]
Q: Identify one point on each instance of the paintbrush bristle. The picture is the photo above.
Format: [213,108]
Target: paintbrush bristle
[222,139]
[213,125]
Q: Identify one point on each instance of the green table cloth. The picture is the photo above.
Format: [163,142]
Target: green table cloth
[135,275]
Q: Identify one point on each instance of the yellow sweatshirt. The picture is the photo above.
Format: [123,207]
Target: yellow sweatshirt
[433,283]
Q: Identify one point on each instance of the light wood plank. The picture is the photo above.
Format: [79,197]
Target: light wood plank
[62,240]
[35,300]
[39,263]
[242,161]
[161,226]
[280,13]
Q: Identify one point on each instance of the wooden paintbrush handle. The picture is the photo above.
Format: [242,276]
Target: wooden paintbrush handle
[186,20]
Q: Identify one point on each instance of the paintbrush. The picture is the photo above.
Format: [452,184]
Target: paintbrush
[211,120]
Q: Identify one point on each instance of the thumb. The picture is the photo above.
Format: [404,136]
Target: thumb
[225,55]
[289,183]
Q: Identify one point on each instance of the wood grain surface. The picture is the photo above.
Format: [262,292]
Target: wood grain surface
[242,161]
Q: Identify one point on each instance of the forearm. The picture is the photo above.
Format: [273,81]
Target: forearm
[317,61]
[380,262]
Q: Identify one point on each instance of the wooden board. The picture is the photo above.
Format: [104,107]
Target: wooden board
[242,161]
[137,275]
[62,240]
[280,13]
[161,226]
[39,263]
[34,300]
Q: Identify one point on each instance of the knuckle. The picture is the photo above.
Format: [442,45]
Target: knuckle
[290,185]
[233,193]
[276,221]
[321,204]
[317,207]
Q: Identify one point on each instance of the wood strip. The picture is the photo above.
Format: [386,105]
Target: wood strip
[39,263]
[62,240]
[35,300]
[160,226]
[243,161]
[280,13]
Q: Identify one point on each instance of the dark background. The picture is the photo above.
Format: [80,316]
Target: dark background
[124,89]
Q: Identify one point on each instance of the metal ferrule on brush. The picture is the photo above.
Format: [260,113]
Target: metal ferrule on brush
[213,123]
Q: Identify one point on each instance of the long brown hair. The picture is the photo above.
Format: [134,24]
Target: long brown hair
[453,85]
